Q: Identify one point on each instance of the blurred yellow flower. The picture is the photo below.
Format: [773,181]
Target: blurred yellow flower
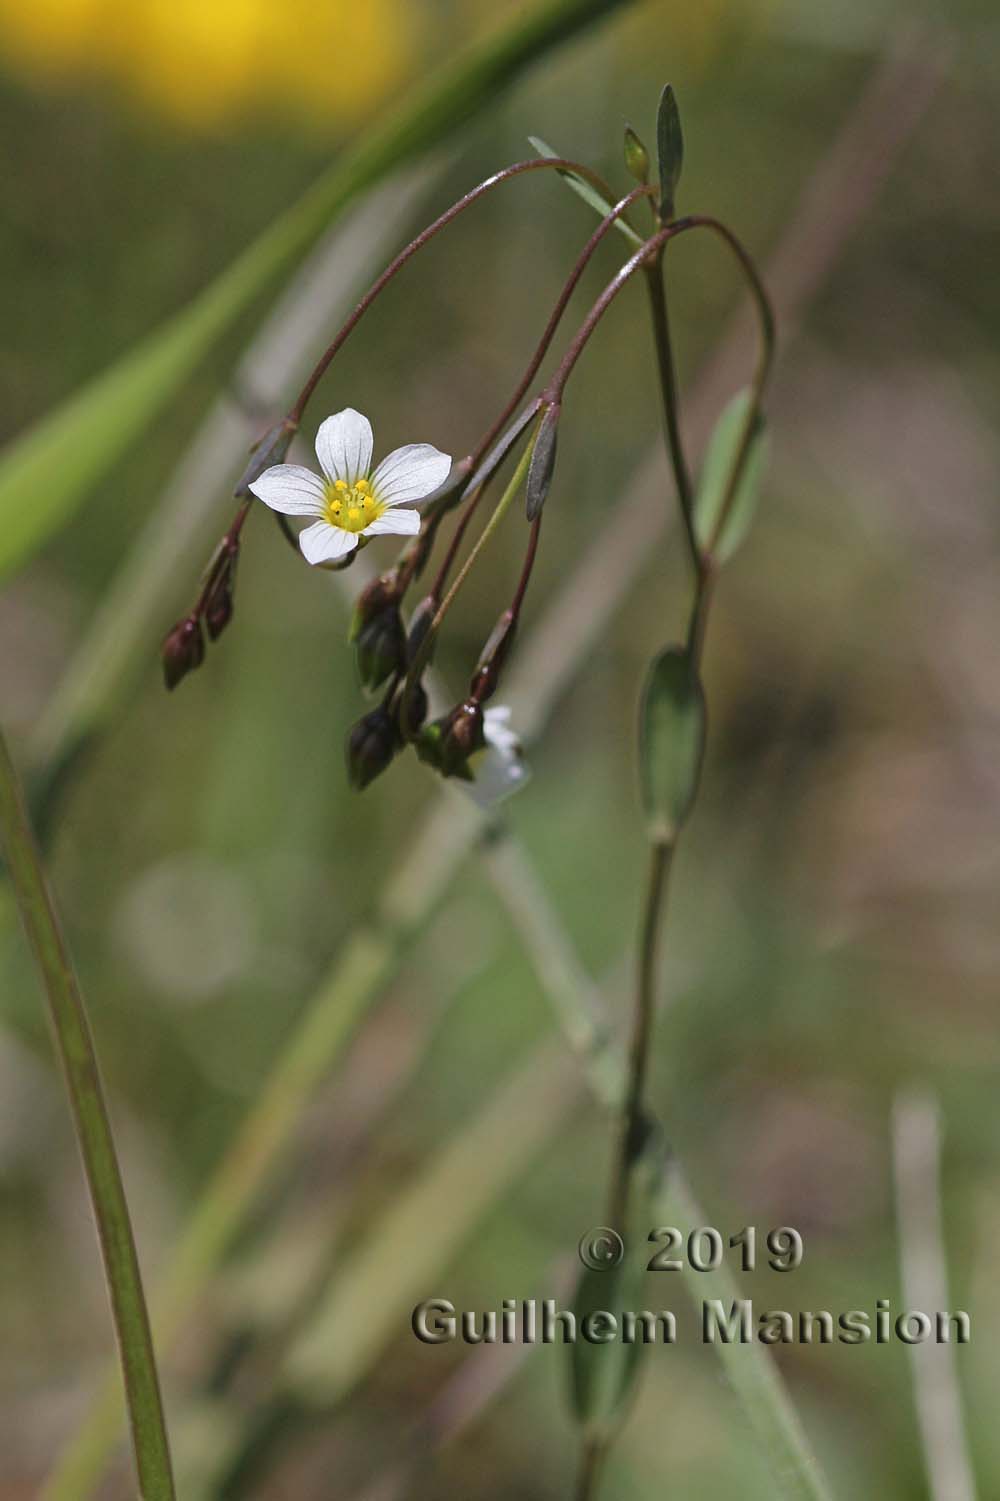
[206,62]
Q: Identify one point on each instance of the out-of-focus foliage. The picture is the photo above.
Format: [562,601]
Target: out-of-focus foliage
[210,65]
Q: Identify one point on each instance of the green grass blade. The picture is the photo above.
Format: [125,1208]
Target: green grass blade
[751,1371]
[93,1129]
[46,473]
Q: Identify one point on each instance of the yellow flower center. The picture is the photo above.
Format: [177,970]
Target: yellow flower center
[351,507]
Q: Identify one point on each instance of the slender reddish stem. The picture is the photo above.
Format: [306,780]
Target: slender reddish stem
[395,266]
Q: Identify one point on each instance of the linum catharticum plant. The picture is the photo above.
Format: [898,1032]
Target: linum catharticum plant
[352,502]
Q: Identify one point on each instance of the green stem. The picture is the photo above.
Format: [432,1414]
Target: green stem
[661,853]
[93,1130]
[668,388]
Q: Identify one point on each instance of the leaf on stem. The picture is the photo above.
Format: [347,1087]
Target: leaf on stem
[587,192]
[671,740]
[670,150]
[723,512]
[543,461]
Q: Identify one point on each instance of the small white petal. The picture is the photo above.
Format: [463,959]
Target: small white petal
[291,489]
[500,769]
[322,543]
[344,446]
[401,523]
[497,718]
[410,473]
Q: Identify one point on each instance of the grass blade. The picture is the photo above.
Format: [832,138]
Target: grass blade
[93,1129]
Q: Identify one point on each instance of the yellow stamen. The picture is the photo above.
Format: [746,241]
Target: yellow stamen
[352,507]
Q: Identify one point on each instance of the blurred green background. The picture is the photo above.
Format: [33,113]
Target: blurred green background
[833,929]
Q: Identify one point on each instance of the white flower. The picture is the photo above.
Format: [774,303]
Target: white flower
[351,499]
[499,769]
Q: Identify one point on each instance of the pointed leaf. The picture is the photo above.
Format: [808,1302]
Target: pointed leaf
[670,149]
[671,740]
[543,461]
[723,512]
[604,1366]
[587,192]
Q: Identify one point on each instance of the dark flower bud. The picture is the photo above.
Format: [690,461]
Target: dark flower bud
[373,600]
[415,707]
[218,611]
[420,623]
[381,647]
[487,674]
[448,743]
[182,651]
[271,449]
[371,746]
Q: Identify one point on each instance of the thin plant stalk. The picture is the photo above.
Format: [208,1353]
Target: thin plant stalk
[635,1122]
[93,1130]
[500,510]
[661,853]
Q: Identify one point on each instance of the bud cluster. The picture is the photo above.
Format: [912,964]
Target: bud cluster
[183,647]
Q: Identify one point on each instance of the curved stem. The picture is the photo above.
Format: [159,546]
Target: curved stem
[93,1130]
[579,266]
[526,568]
[765,359]
[541,349]
[396,265]
[426,646]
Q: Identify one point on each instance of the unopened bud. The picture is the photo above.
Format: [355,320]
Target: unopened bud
[420,624]
[636,156]
[218,610]
[413,710]
[448,743]
[486,678]
[371,745]
[373,599]
[381,648]
[182,651]
[271,449]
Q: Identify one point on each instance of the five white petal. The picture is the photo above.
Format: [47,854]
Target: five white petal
[344,448]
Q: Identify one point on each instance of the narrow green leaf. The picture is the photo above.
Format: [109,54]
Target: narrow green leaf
[671,740]
[543,462]
[71,1030]
[670,150]
[636,156]
[46,474]
[604,1365]
[724,508]
[587,192]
